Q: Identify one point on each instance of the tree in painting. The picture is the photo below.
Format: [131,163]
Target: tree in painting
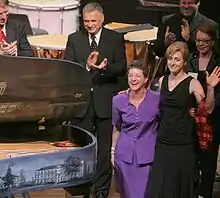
[8,179]
[72,166]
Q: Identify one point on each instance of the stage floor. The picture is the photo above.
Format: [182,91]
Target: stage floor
[60,193]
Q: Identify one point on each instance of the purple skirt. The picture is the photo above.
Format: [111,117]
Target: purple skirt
[131,179]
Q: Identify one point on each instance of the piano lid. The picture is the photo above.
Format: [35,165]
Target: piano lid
[32,88]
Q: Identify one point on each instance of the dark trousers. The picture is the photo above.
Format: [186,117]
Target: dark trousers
[207,166]
[102,129]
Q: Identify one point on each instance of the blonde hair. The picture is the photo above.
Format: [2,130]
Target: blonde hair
[178,46]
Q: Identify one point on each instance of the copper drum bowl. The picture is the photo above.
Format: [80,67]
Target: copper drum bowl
[48,46]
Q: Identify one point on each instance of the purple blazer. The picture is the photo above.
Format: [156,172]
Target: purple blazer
[138,128]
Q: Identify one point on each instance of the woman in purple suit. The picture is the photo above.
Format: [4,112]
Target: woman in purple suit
[135,116]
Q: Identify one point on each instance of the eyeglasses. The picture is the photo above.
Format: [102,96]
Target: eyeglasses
[204,41]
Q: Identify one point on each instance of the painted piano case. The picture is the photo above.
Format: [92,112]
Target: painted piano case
[36,96]
[40,165]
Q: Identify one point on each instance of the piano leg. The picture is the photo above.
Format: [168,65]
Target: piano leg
[26,195]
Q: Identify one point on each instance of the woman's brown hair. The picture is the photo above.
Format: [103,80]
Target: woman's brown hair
[141,65]
[178,46]
[207,29]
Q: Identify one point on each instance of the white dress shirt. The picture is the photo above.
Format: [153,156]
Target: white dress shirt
[4,30]
[97,39]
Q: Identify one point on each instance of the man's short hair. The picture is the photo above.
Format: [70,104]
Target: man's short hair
[4,2]
[90,7]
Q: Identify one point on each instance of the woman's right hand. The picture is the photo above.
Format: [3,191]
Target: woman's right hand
[124,91]
[112,155]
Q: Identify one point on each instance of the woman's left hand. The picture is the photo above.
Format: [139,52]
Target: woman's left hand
[113,156]
[192,112]
[213,79]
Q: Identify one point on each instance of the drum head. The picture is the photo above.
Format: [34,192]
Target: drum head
[57,42]
[142,35]
[45,4]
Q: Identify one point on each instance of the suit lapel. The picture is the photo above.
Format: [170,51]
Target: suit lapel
[10,33]
[84,43]
[211,64]
[195,22]
[101,46]
[210,67]
[194,63]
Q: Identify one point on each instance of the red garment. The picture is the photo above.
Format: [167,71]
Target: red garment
[2,36]
[204,128]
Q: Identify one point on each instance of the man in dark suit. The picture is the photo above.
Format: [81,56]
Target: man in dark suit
[13,40]
[181,27]
[102,53]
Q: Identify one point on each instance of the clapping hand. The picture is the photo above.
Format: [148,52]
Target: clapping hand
[92,60]
[185,31]
[213,79]
[9,48]
[102,65]
[169,37]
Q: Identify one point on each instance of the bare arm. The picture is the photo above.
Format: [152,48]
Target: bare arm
[115,135]
[197,90]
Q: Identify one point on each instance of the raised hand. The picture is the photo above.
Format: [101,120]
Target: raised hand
[103,64]
[124,91]
[92,59]
[213,79]
[169,37]
[185,31]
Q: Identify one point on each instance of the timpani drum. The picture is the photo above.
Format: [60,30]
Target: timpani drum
[54,16]
[48,46]
[136,43]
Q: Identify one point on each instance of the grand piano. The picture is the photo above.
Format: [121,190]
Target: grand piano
[39,148]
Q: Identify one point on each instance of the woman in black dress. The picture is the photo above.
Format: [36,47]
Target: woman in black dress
[206,59]
[173,172]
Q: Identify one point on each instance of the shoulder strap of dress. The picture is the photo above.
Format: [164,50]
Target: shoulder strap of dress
[186,82]
[189,78]
[164,82]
